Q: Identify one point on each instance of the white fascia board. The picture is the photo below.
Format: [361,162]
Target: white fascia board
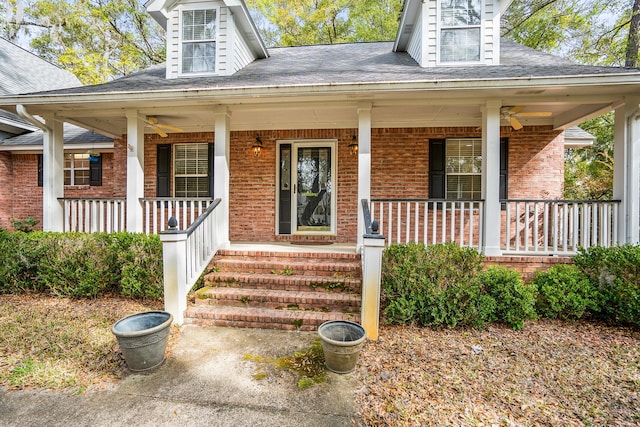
[103,147]
[504,5]
[244,21]
[158,10]
[409,17]
[390,86]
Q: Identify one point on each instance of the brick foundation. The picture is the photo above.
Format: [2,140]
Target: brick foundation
[527,266]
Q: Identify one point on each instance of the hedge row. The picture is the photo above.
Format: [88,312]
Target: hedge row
[81,265]
[446,285]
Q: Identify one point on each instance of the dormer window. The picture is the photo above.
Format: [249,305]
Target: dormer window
[198,41]
[460,30]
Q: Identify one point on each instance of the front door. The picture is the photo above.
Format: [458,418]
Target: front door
[307,197]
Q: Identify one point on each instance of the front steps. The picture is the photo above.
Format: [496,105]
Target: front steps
[278,290]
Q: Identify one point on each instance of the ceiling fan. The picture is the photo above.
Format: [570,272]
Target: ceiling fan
[511,114]
[159,128]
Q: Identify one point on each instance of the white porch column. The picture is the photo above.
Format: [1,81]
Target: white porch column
[135,170]
[491,177]
[626,171]
[53,175]
[221,179]
[364,165]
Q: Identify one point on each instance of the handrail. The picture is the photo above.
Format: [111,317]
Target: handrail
[98,199]
[422,200]
[559,201]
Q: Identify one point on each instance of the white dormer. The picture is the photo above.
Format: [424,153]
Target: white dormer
[207,37]
[451,32]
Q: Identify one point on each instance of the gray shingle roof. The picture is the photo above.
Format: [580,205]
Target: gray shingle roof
[352,63]
[23,72]
[72,135]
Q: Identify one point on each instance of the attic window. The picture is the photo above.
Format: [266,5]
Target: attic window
[198,41]
[460,34]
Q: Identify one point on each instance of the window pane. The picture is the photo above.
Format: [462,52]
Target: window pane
[456,13]
[81,177]
[460,45]
[198,57]
[191,170]
[464,168]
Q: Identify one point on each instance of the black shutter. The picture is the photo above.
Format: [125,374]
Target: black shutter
[95,171]
[40,184]
[437,162]
[211,160]
[163,170]
[504,168]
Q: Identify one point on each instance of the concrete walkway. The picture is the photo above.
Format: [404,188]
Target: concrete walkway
[206,381]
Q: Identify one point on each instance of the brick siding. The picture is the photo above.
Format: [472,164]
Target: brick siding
[399,162]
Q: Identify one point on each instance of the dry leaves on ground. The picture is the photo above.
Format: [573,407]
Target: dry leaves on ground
[550,373]
[60,343]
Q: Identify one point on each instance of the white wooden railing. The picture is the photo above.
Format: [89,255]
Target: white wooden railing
[186,254]
[94,215]
[158,210]
[558,226]
[429,221]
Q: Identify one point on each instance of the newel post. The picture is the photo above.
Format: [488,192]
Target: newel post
[372,249]
[174,250]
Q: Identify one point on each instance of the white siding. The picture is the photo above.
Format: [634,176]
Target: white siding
[431,29]
[415,42]
[242,54]
[222,57]
[492,33]
[172,44]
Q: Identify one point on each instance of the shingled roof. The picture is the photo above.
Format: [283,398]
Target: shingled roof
[351,63]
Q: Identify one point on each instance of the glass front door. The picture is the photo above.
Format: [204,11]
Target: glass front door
[313,189]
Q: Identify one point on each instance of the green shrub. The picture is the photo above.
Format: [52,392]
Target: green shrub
[433,285]
[615,272]
[515,300]
[81,265]
[564,292]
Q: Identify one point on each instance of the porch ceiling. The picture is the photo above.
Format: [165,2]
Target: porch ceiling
[568,105]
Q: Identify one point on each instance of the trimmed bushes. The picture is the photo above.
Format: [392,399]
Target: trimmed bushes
[515,300]
[81,265]
[433,285]
[564,292]
[445,285]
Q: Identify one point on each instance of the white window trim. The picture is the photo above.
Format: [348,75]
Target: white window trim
[173,167]
[198,6]
[440,27]
[73,170]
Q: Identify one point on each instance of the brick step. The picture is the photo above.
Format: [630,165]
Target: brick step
[276,255]
[279,299]
[287,267]
[266,318]
[281,282]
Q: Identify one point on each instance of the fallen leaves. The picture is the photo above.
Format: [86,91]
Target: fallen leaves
[550,373]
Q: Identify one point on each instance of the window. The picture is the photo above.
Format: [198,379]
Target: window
[198,41]
[455,168]
[463,169]
[460,30]
[76,169]
[191,170]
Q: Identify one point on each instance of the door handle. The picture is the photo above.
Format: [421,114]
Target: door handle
[294,188]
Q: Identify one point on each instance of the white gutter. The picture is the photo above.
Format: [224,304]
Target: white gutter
[23,113]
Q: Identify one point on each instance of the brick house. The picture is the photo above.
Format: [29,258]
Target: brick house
[447,133]
[21,141]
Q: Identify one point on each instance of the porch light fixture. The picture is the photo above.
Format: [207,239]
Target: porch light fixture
[257,146]
[353,147]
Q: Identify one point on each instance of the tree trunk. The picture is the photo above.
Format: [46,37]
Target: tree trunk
[633,42]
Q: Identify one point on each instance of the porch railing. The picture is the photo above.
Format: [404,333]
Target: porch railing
[158,210]
[430,221]
[558,226]
[186,254]
[94,215]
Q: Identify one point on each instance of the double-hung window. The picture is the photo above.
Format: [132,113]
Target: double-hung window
[463,168]
[460,30]
[191,170]
[76,169]
[198,27]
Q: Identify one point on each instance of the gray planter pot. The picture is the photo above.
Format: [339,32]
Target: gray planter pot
[341,343]
[143,338]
